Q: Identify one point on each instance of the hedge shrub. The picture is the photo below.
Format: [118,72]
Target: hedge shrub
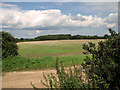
[9,46]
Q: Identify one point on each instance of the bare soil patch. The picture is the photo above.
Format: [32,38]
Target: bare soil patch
[23,79]
[59,41]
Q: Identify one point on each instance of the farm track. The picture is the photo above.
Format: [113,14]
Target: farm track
[23,79]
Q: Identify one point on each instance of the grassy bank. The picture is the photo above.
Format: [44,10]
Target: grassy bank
[23,63]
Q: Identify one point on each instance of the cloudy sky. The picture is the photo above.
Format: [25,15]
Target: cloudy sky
[31,19]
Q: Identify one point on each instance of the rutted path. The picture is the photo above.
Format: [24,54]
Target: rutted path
[23,79]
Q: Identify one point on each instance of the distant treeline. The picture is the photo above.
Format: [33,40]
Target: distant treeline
[63,37]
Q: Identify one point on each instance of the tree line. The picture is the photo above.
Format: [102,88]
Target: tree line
[63,37]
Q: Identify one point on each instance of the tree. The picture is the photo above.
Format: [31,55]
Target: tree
[9,46]
[17,40]
[21,39]
[106,36]
[105,61]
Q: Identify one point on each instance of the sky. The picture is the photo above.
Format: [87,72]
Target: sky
[32,19]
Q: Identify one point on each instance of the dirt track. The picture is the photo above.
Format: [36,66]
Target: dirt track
[23,79]
[55,42]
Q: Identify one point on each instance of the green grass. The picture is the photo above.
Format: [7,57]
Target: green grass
[52,48]
[40,50]
[23,63]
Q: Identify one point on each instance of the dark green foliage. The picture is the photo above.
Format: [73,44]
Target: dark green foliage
[9,46]
[66,36]
[86,37]
[54,37]
[105,61]
[62,37]
[21,39]
[25,40]
[17,40]
[106,36]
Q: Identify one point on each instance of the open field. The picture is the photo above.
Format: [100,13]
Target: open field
[42,55]
[53,48]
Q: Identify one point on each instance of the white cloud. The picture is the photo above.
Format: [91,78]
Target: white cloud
[112,18]
[8,5]
[53,19]
[38,31]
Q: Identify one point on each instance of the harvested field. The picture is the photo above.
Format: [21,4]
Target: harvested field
[53,48]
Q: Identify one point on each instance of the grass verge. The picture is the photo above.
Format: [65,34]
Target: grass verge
[24,63]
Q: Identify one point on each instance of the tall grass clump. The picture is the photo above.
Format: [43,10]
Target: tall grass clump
[66,78]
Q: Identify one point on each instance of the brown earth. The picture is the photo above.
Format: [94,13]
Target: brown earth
[54,42]
[23,79]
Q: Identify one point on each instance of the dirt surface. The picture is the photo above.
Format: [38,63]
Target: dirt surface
[49,42]
[23,79]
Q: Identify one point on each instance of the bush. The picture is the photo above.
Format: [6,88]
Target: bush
[105,61]
[9,46]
